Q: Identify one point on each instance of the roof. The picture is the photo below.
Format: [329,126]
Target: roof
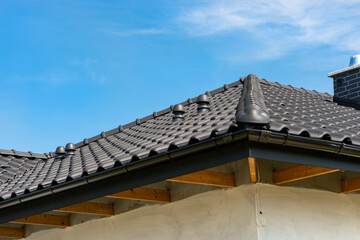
[250,102]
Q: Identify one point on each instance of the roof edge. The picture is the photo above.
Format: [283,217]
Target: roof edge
[251,108]
[10,210]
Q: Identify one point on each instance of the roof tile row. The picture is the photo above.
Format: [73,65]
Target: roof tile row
[291,110]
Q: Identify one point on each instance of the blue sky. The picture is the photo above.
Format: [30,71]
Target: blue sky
[71,69]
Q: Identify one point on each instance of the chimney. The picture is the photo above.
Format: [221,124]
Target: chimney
[347,82]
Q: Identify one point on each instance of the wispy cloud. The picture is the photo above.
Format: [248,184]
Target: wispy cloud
[279,26]
[52,77]
[85,62]
[78,70]
[99,78]
[126,33]
[88,64]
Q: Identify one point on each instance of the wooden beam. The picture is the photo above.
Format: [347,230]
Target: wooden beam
[11,232]
[207,178]
[300,172]
[144,194]
[350,185]
[89,208]
[252,168]
[46,220]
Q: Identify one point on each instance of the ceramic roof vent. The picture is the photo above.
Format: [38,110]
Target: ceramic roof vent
[70,149]
[178,111]
[60,150]
[203,102]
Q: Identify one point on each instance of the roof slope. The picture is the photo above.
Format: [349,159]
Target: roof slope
[260,103]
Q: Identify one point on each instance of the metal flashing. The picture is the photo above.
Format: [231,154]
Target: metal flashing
[343,70]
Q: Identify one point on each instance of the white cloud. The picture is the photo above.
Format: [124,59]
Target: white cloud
[279,26]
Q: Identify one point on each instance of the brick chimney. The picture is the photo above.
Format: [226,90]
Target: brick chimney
[347,82]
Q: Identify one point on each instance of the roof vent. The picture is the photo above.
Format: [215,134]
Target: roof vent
[178,111]
[354,60]
[203,102]
[70,149]
[60,150]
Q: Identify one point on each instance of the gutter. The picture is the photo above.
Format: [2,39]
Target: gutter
[170,156]
[228,147]
[265,136]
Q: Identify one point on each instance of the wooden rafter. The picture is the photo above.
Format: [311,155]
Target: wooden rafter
[144,194]
[350,185]
[89,208]
[300,172]
[207,178]
[45,219]
[252,169]
[11,232]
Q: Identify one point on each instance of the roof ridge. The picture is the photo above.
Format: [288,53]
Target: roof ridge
[189,101]
[251,107]
[28,154]
[138,121]
[154,115]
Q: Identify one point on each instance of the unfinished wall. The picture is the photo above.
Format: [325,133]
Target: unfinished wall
[256,211]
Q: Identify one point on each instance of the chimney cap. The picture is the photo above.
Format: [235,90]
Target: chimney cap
[354,60]
[354,64]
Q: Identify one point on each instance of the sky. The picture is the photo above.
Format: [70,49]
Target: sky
[72,69]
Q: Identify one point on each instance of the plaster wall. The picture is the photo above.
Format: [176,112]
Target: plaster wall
[251,212]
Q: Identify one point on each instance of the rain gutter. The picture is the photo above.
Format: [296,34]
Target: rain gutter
[218,150]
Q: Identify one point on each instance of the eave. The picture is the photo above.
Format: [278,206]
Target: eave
[244,143]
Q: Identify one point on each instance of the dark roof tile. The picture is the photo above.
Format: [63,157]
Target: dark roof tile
[289,110]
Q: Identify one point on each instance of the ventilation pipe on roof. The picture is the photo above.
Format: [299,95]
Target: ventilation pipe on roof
[178,111]
[70,149]
[203,102]
[60,150]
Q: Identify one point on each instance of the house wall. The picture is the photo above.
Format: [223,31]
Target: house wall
[256,211]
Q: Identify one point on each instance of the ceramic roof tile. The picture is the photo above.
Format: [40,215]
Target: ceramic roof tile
[290,110]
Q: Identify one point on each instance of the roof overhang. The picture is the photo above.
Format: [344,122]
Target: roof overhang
[206,154]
